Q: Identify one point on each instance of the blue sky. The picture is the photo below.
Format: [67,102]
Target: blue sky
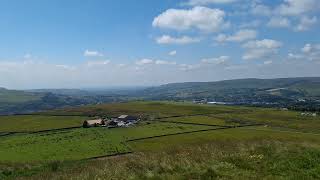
[102,43]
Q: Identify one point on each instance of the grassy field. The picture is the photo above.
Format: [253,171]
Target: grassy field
[276,118]
[31,123]
[286,146]
[80,143]
[227,135]
[202,120]
[247,159]
[150,109]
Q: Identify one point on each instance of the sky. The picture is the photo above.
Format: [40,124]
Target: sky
[107,43]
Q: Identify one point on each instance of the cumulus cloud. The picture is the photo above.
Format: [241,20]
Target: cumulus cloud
[239,36]
[144,62]
[66,67]
[189,67]
[166,39]
[161,62]
[200,18]
[206,2]
[287,8]
[267,62]
[261,10]
[173,53]
[155,62]
[250,24]
[295,56]
[260,49]
[218,60]
[297,7]
[27,56]
[89,53]
[306,23]
[279,22]
[311,51]
[98,63]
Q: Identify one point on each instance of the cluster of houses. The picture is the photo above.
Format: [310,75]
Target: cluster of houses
[309,114]
[121,121]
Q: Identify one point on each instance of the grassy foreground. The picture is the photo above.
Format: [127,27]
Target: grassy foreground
[253,159]
[287,146]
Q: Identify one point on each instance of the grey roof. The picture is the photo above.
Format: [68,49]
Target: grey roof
[122,116]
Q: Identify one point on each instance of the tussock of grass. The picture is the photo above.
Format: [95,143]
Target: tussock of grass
[216,160]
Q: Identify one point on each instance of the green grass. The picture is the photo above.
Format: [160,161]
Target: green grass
[226,135]
[151,109]
[276,118]
[71,145]
[246,159]
[80,143]
[37,123]
[288,147]
[201,120]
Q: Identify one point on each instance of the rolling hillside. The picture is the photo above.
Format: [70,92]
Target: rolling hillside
[231,90]
[19,102]
[270,92]
[14,96]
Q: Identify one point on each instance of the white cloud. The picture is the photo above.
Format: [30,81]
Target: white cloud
[161,62]
[265,43]
[288,8]
[200,18]
[66,67]
[206,2]
[27,56]
[89,53]
[307,48]
[218,60]
[267,62]
[306,23]
[144,62]
[297,7]
[173,53]
[260,49]
[189,67]
[261,10]
[311,51]
[295,56]
[154,62]
[98,63]
[239,36]
[166,39]
[279,22]
[251,24]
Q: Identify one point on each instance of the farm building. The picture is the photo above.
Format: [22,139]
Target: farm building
[122,121]
[112,124]
[93,123]
[127,119]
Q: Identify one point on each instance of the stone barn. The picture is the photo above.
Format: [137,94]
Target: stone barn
[93,123]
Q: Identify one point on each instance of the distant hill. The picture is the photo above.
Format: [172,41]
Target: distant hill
[15,96]
[300,93]
[70,92]
[239,90]
[21,102]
